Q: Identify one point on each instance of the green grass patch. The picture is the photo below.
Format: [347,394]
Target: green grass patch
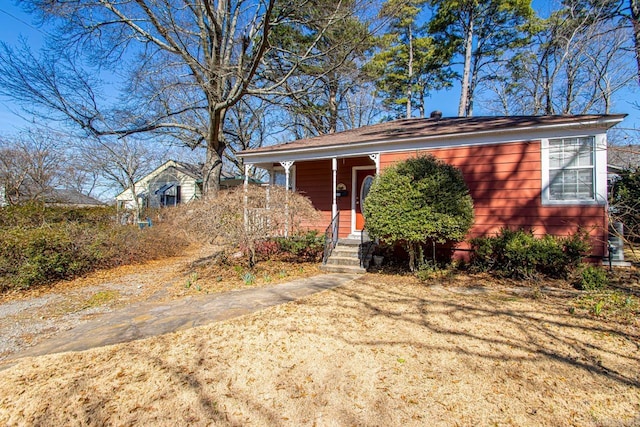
[101,298]
[609,304]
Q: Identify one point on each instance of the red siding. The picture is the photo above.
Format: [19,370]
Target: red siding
[504,181]
[314,180]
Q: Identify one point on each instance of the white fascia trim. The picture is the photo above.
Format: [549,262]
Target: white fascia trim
[532,133]
[600,173]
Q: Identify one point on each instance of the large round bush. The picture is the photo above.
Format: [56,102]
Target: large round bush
[417,200]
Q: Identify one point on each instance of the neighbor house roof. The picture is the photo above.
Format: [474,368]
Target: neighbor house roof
[194,171]
[620,157]
[412,129]
[69,197]
[190,170]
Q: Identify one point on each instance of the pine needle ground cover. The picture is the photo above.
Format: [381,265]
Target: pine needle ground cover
[382,350]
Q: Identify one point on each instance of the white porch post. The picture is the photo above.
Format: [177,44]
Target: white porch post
[287,168]
[376,158]
[334,205]
[268,190]
[246,196]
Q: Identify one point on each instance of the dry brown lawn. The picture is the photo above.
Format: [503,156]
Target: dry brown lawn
[383,350]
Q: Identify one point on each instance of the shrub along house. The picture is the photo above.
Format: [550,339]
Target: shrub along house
[545,173]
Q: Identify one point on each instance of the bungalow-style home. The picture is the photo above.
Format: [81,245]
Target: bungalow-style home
[170,184]
[545,173]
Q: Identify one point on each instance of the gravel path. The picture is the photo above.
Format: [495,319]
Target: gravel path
[28,320]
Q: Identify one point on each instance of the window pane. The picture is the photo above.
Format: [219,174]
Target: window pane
[585,184]
[555,154]
[556,188]
[571,171]
[279,178]
[586,152]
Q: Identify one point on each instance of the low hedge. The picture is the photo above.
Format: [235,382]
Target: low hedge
[306,247]
[43,245]
[519,254]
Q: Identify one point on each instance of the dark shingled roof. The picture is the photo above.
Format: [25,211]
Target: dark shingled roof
[420,128]
[69,197]
[189,169]
[623,156]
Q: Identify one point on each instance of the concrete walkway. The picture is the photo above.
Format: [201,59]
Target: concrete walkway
[151,319]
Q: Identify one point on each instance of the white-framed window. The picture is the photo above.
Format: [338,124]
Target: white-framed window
[574,170]
[279,178]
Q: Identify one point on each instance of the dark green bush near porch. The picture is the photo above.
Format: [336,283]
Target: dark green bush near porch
[416,201]
[306,247]
[519,254]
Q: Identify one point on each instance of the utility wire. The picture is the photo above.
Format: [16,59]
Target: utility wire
[22,21]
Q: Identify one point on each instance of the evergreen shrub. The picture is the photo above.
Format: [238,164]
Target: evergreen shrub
[419,200]
[519,254]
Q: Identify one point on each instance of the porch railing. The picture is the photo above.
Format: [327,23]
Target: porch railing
[331,237]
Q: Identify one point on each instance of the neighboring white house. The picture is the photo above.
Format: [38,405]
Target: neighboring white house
[170,184]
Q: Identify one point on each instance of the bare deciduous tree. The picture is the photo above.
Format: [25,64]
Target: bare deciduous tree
[121,162]
[246,217]
[30,165]
[188,63]
[577,61]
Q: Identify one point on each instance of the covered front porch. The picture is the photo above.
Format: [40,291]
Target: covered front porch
[336,187]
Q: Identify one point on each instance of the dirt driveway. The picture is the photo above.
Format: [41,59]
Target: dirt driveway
[382,350]
[28,318]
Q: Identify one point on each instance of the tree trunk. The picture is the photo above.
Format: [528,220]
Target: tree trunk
[410,72]
[548,104]
[464,90]
[333,103]
[471,89]
[212,168]
[412,256]
[635,21]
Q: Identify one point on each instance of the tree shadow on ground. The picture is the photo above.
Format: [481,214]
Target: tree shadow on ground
[544,329]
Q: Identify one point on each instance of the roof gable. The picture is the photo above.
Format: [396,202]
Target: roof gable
[189,169]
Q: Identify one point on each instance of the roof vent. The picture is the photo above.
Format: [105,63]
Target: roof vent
[437,114]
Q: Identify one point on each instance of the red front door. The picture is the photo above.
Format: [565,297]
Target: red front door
[364,179]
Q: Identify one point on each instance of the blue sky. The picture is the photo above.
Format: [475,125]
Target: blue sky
[14,23]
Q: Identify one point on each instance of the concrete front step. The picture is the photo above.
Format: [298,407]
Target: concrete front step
[345,257]
[343,260]
[332,268]
[342,251]
[349,242]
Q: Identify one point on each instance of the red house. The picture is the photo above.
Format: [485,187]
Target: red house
[546,173]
